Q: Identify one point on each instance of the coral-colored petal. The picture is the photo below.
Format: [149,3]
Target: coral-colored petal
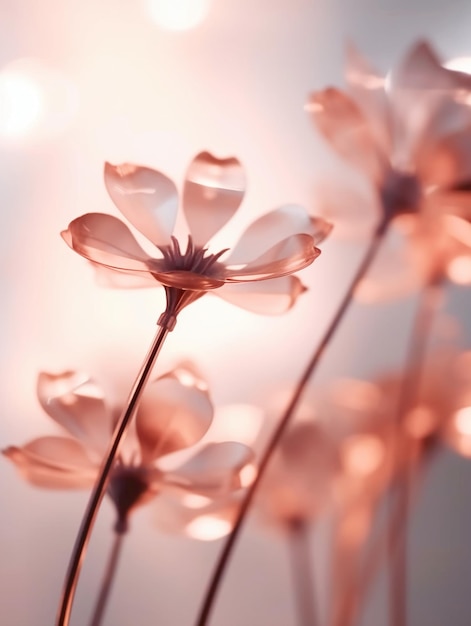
[445,161]
[104,239]
[172,416]
[267,297]
[343,125]
[196,516]
[147,198]
[288,256]
[75,402]
[397,270]
[272,227]
[366,85]
[213,191]
[214,470]
[54,463]
[115,279]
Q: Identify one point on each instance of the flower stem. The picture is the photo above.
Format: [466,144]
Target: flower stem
[303,576]
[284,422]
[107,579]
[402,453]
[99,490]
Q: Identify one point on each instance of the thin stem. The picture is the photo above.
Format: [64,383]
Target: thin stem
[107,579]
[99,490]
[302,572]
[401,482]
[283,424]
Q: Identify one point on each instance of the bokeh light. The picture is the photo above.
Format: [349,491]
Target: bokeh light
[35,100]
[178,14]
[208,528]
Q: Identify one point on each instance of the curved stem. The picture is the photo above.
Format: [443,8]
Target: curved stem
[283,424]
[401,482]
[99,490]
[303,576]
[107,579]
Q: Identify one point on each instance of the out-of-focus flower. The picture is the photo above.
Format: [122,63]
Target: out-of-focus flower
[299,483]
[410,134]
[174,414]
[255,275]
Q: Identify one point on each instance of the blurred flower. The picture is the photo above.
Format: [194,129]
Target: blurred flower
[273,247]
[410,134]
[174,414]
[299,482]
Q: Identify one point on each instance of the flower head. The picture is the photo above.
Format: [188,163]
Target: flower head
[271,250]
[174,414]
[410,134]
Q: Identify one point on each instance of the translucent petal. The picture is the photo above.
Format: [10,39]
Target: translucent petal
[367,86]
[287,257]
[104,239]
[267,297]
[418,87]
[397,270]
[445,161]
[196,516]
[342,124]
[115,279]
[422,69]
[147,198]
[171,417]
[214,470]
[213,191]
[275,226]
[75,402]
[54,463]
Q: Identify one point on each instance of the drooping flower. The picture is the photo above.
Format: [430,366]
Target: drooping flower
[271,249]
[174,414]
[409,133]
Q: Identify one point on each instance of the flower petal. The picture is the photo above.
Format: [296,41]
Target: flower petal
[116,279]
[446,162]
[147,198]
[196,516]
[54,463]
[75,402]
[104,239]
[367,86]
[267,297]
[213,191]
[288,256]
[214,470]
[418,87]
[342,124]
[172,416]
[271,228]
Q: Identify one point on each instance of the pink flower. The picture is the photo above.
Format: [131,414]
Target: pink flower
[273,247]
[410,134]
[174,414]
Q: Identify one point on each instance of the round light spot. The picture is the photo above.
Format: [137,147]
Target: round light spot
[178,14]
[208,528]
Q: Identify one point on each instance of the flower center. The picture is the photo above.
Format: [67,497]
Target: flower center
[195,258]
[127,488]
[400,193]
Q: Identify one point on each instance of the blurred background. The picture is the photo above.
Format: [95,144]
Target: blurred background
[155,82]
